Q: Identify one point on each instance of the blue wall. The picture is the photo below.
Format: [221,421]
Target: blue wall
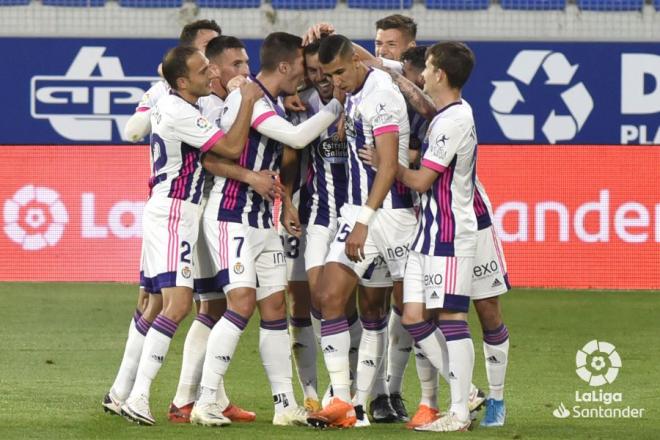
[603,93]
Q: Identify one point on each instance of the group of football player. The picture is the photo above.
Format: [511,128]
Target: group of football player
[336,191]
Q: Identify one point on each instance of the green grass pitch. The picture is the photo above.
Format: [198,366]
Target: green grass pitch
[62,343]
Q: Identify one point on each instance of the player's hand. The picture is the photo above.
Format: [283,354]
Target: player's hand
[235,83]
[341,128]
[355,242]
[315,32]
[290,218]
[339,95]
[251,91]
[264,182]
[369,156]
[294,103]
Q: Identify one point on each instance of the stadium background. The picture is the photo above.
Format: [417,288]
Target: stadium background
[577,204]
[566,97]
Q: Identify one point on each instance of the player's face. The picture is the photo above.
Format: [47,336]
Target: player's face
[294,73]
[198,81]
[413,74]
[430,76]
[343,73]
[203,37]
[315,76]
[232,63]
[391,43]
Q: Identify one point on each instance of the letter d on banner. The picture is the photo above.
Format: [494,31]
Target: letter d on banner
[635,67]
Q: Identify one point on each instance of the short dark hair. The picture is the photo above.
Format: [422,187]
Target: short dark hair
[416,56]
[175,63]
[455,59]
[278,47]
[189,31]
[313,47]
[406,25]
[333,46]
[219,44]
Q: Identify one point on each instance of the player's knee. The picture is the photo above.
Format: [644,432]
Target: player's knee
[154,307]
[332,305]
[413,313]
[489,313]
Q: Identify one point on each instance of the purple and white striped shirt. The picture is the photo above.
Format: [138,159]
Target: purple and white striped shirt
[376,108]
[448,222]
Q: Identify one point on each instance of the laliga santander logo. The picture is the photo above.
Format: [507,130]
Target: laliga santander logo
[35,217]
[597,363]
[520,127]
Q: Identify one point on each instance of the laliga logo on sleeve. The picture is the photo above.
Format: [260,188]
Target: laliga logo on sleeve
[597,363]
[560,72]
[35,217]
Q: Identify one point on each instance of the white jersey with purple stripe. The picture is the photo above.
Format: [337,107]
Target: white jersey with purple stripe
[211,108]
[153,95]
[377,107]
[326,177]
[448,223]
[179,133]
[235,201]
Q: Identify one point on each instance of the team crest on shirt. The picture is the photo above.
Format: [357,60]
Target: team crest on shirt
[333,150]
[350,125]
[203,123]
[186,272]
[440,146]
[239,268]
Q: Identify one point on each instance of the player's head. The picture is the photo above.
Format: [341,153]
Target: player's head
[228,55]
[281,54]
[340,62]
[314,71]
[394,34]
[448,65]
[199,33]
[186,69]
[413,60]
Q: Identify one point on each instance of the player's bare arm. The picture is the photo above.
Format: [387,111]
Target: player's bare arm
[418,100]
[419,180]
[232,143]
[290,219]
[387,146]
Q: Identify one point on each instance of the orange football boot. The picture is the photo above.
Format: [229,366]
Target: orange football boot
[337,414]
[424,415]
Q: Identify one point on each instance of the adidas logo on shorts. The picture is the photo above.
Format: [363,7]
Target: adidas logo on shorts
[496,283]
[434,295]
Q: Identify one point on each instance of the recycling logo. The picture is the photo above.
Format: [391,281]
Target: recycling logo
[35,217]
[597,363]
[556,127]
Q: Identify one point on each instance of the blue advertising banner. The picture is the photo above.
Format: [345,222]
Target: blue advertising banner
[84,90]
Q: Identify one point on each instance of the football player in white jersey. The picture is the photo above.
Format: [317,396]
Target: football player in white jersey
[149,304]
[247,251]
[196,34]
[321,195]
[490,280]
[439,268]
[227,55]
[179,135]
[377,221]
